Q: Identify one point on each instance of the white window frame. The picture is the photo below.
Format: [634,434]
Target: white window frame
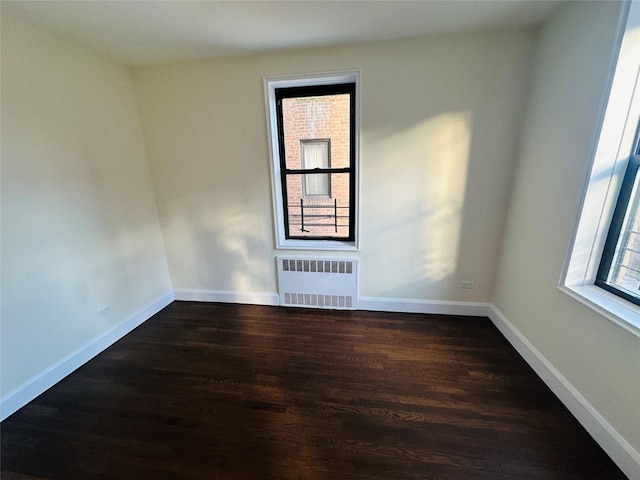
[603,180]
[270,85]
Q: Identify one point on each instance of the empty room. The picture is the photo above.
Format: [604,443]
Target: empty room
[320,239]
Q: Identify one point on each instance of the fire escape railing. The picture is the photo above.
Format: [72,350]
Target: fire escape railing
[317,215]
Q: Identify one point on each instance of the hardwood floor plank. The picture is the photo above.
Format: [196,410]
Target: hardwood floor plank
[222,391]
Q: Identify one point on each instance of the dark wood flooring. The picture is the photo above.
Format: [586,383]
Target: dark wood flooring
[220,391]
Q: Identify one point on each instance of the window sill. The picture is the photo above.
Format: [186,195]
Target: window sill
[328,245]
[619,311]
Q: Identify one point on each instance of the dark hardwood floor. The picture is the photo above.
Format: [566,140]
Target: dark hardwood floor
[221,391]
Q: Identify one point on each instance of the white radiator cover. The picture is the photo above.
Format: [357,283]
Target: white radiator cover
[319,282]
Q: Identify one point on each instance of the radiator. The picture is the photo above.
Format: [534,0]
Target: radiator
[318,282]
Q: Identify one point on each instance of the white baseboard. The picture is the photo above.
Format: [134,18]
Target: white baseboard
[620,451]
[437,307]
[20,396]
[227,296]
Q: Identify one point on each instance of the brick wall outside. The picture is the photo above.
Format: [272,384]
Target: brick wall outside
[318,118]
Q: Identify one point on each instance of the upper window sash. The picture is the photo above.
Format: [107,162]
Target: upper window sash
[316,91]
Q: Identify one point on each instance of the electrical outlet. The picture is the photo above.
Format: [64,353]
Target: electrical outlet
[468,284]
[104,310]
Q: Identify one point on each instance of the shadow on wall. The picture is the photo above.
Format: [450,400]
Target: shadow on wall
[412,194]
[223,244]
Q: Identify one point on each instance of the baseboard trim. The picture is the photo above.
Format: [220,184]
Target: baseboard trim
[620,451]
[227,296]
[20,396]
[438,307]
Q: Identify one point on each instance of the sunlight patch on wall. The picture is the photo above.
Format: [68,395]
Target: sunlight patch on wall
[422,172]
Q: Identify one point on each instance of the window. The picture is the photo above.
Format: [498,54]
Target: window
[601,269]
[304,112]
[315,155]
[314,145]
[619,270]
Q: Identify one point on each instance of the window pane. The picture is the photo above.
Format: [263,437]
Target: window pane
[324,117]
[317,216]
[625,267]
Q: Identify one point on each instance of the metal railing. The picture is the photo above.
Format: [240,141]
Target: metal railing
[312,215]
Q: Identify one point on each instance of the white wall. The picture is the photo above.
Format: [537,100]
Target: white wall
[598,358]
[79,223]
[441,120]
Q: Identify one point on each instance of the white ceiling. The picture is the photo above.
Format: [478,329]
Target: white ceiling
[146,31]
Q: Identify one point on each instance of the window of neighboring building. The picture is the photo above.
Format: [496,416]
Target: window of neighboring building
[314,145]
[315,155]
[619,270]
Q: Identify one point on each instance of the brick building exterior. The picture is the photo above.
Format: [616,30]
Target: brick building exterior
[317,120]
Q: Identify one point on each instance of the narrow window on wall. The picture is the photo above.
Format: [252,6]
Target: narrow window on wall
[314,148]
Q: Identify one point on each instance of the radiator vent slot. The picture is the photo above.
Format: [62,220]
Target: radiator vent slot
[318,282]
[317,266]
